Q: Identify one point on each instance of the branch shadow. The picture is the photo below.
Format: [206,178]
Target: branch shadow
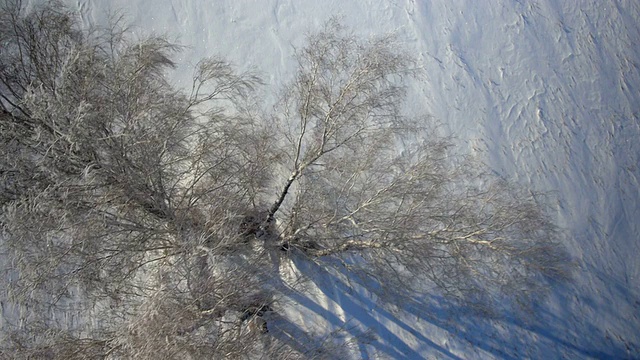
[364,312]
[542,332]
[508,335]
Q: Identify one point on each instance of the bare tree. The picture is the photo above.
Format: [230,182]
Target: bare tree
[362,183]
[119,191]
[135,209]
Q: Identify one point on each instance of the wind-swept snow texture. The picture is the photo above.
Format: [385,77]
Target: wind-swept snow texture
[546,92]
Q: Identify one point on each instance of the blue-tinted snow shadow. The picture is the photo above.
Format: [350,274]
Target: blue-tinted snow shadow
[537,333]
[509,335]
[594,340]
[361,309]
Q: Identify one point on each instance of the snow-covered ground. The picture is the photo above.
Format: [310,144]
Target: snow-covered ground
[546,92]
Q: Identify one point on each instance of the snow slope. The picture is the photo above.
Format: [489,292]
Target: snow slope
[546,92]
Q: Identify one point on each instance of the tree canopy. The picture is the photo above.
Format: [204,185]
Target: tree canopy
[141,206]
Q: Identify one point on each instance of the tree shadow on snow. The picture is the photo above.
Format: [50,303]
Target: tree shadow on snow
[365,322]
[375,328]
[537,333]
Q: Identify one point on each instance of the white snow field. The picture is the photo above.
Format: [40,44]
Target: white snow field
[545,92]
